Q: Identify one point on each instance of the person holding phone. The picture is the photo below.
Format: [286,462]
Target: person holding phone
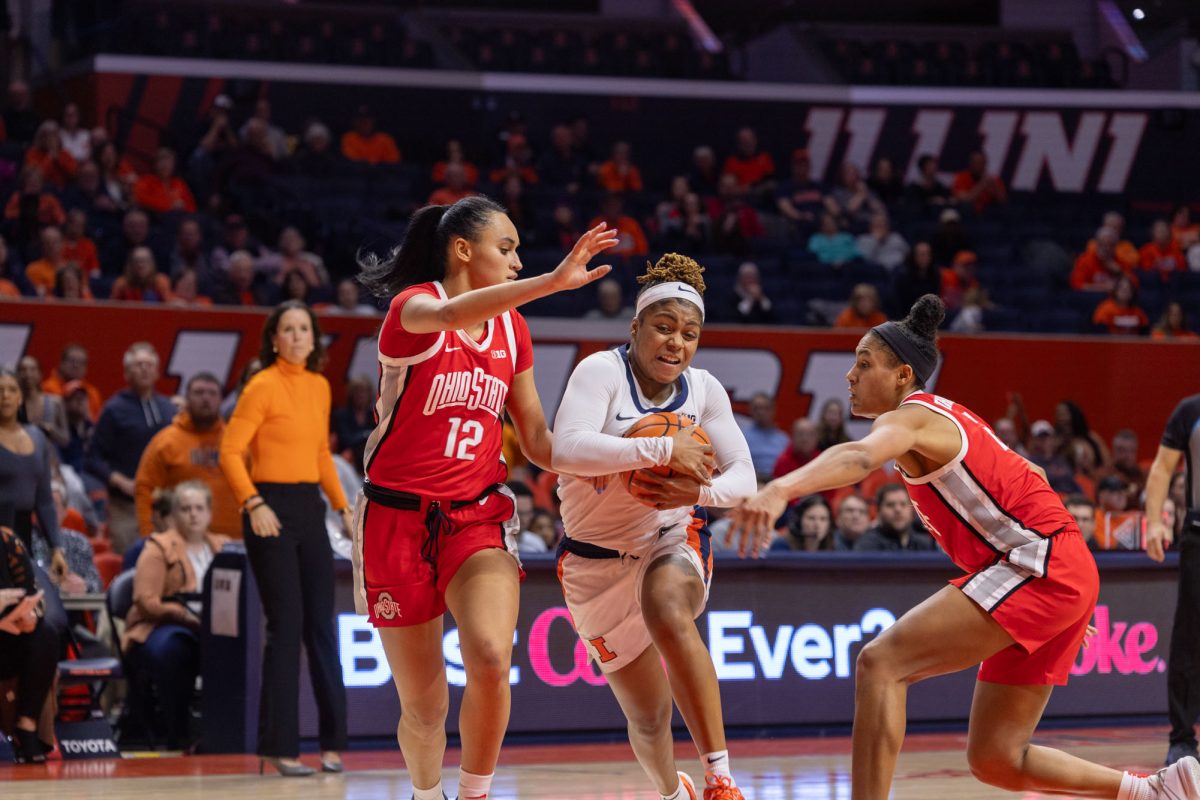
[28,646]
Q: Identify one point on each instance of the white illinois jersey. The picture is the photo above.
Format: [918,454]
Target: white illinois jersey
[601,402]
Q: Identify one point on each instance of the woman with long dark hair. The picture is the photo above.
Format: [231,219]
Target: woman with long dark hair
[436,528]
[282,421]
[1021,611]
[25,476]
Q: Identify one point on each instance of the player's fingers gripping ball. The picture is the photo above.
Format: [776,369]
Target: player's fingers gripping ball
[660,423]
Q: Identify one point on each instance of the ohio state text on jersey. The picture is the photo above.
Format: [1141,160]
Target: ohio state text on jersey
[441,403]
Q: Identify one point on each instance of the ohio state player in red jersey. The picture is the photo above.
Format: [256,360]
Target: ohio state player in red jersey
[435,527]
[1022,610]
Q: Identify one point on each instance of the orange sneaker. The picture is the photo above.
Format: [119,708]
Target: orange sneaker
[718,787]
[688,786]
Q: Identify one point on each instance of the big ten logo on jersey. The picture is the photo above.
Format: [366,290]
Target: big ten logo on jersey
[1103,146]
[471,389]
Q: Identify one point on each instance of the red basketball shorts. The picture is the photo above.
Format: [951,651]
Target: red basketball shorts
[1047,617]
[401,572]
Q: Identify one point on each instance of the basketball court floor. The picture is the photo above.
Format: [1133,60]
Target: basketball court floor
[932,766]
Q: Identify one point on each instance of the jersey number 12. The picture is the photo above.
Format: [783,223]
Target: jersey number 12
[471,433]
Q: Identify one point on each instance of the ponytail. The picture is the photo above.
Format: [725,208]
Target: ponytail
[421,256]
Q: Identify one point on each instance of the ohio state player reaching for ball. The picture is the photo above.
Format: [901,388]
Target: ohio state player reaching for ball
[435,526]
[1024,607]
[635,568]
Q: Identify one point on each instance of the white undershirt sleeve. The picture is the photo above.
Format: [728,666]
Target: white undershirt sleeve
[736,480]
[579,448]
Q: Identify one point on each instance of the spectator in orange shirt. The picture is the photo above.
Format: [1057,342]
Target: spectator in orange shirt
[959,279]
[862,310]
[455,155]
[1125,252]
[456,187]
[518,161]
[1162,253]
[366,144]
[1097,270]
[77,247]
[748,164]
[41,273]
[72,367]
[69,284]
[1120,313]
[185,288]
[30,208]
[8,289]
[619,174]
[1185,232]
[47,154]
[142,282]
[976,186]
[1173,325]
[631,240]
[164,191]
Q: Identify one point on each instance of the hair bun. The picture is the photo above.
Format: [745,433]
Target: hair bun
[925,316]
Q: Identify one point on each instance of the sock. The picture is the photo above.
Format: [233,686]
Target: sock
[1134,788]
[680,793]
[716,765]
[473,787]
[433,793]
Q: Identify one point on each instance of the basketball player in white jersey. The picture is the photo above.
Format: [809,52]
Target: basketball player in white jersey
[635,570]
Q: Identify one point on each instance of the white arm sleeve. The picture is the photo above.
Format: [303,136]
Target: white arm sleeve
[737,480]
[579,448]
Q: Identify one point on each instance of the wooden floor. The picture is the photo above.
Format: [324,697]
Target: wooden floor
[932,767]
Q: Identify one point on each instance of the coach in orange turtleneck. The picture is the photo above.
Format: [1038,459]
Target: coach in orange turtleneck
[282,421]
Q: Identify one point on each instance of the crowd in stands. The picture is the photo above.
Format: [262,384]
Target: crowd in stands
[196,227]
[81,222]
[939,62]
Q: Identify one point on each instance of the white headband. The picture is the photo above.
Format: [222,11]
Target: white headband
[669,291]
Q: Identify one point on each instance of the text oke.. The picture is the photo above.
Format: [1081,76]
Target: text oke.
[472,389]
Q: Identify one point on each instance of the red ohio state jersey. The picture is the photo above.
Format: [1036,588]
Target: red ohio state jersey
[987,504]
[441,403]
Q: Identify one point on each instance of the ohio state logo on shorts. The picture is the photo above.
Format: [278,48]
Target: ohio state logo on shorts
[386,607]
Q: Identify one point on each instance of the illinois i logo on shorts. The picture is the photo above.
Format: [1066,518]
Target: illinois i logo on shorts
[386,607]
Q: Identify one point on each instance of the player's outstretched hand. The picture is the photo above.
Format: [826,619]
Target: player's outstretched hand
[692,457]
[1158,539]
[754,521]
[573,272]
[664,493]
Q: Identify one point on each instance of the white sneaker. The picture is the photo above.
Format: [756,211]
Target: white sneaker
[1180,781]
[688,786]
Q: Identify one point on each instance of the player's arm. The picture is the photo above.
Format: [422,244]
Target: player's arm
[580,447]
[1158,482]
[428,314]
[525,408]
[893,434]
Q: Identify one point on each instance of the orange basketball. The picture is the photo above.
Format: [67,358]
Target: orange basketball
[660,423]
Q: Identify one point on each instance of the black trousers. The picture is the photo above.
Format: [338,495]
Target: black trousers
[294,572]
[168,661]
[1183,664]
[31,658]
